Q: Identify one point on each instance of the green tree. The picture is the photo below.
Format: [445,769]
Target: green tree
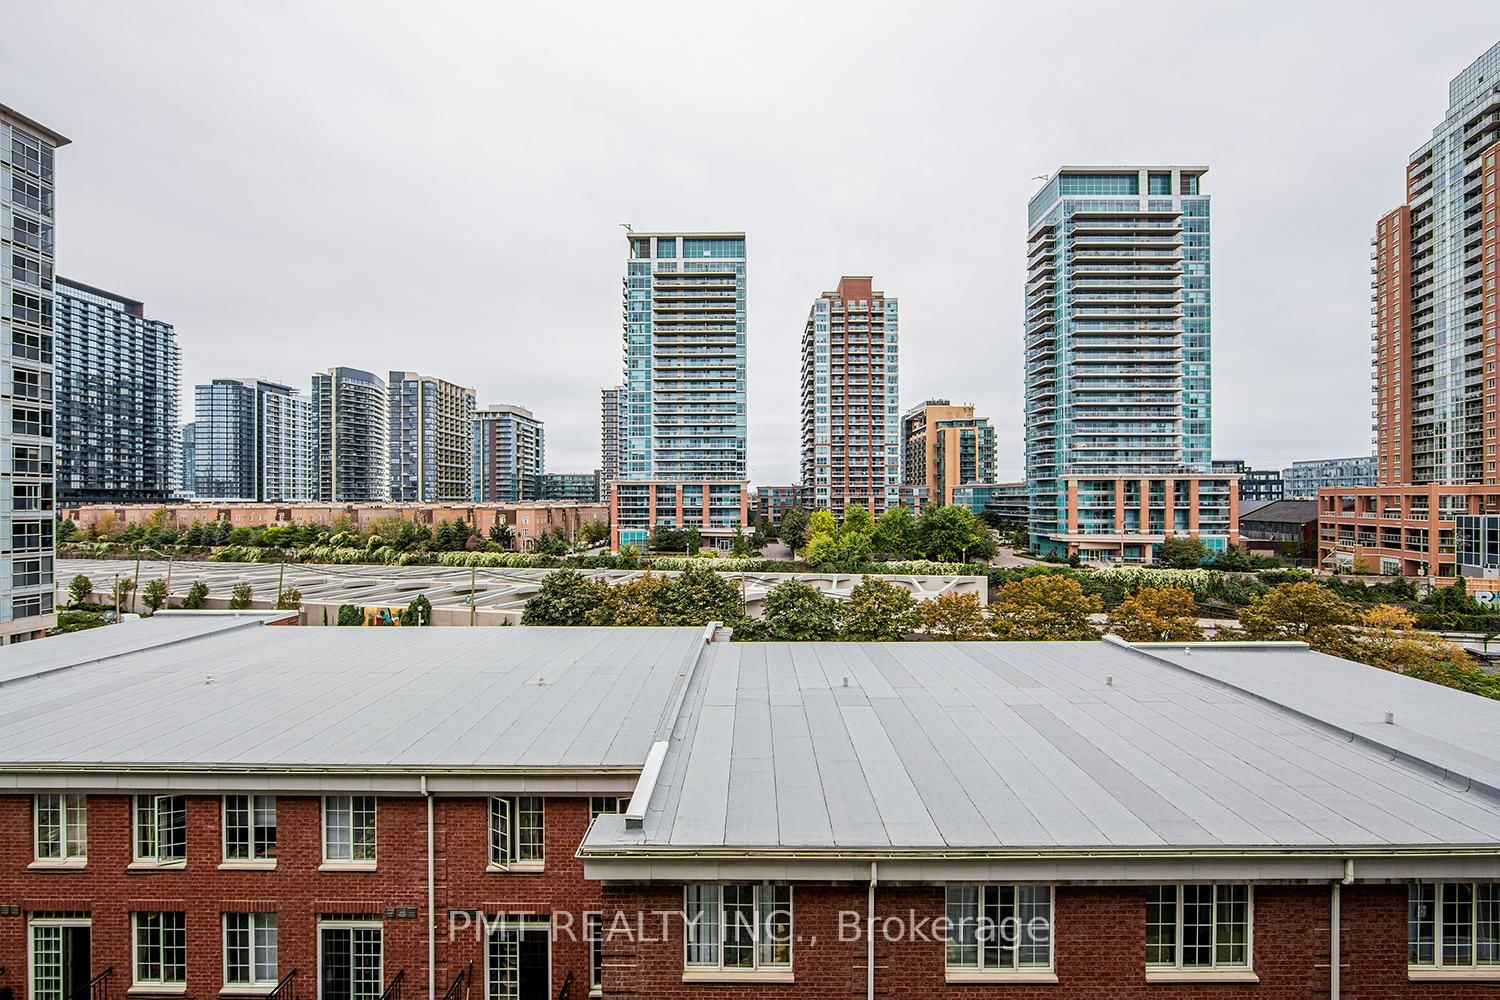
[822,523]
[739,546]
[894,535]
[949,533]
[793,612]
[501,533]
[122,591]
[637,603]
[1388,638]
[66,529]
[289,599]
[591,533]
[197,595]
[1303,612]
[1157,614]
[154,595]
[878,611]
[79,588]
[565,598]
[240,596]
[193,536]
[847,554]
[794,529]
[856,521]
[1184,553]
[1044,608]
[443,539]
[418,612]
[351,614]
[955,618]
[699,595]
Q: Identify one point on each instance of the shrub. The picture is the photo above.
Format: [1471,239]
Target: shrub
[351,614]
[289,599]
[196,596]
[240,596]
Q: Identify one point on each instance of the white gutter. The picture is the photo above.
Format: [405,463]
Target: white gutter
[431,902]
[1333,942]
[640,799]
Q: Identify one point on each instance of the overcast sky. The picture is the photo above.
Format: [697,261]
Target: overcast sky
[439,187]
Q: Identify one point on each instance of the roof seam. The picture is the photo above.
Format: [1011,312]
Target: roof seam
[49,671]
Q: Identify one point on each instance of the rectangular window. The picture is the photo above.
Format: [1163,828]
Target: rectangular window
[250,949]
[350,959]
[1453,925]
[249,828]
[592,923]
[349,828]
[160,949]
[160,828]
[743,926]
[1198,926]
[62,827]
[602,805]
[999,928]
[517,832]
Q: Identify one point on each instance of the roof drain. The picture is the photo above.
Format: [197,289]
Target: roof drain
[870,939]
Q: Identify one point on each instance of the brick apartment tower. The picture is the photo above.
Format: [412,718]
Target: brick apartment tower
[851,442]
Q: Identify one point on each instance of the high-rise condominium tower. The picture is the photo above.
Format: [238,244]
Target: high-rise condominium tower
[351,414]
[189,455]
[431,439]
[611,433]
[944,446]
[252,440]
[117,396]
[27,486]
[1118,370]
[851,442]
[684,339]
[510,454]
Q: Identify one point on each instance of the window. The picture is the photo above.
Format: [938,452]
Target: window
[739,927]
[250,949]
[516,832]
[1198,926]
[160,949]
[602,805]
[249,828]
[1453,925]
[62,827]
[349,828]
[999,928]
[160,829]
[350,956]
[592,925]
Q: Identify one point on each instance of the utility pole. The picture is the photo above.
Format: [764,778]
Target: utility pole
[473,574]
[280,577]
[117,596]
[170,557]
[136,586]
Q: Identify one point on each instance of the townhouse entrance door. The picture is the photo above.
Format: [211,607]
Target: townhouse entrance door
[60,962]
[519,962]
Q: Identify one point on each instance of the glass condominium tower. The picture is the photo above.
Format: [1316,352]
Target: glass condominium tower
[683,457]
[351,417]
[252,439]
[431,439]
[1118,369]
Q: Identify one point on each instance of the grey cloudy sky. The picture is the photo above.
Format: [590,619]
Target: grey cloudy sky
[438,186]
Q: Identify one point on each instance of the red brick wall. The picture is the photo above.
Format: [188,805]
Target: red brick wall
[1100,948]
[296,890]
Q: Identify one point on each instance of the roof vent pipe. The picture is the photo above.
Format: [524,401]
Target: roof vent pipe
[1390,718]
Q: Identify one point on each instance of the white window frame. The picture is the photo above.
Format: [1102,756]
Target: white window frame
[256,921]
[519,926]
[261,853]
[135,949]
[607,805]
[342,923]
[50,921]
[1474,967]
[506,814]
[593,933]
[351,802]
[1214,967]
[73,816]
[1015,970]
[758,968]
[152,851]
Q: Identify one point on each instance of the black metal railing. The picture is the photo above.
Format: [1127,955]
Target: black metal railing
[459,987]
[393,991]
[566,993]
[286,989]
[97,988]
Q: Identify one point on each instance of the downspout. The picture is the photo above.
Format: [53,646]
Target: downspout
[1334,947]
[870,939]
[431,902]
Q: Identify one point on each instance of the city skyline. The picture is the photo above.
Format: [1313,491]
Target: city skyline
[952,256]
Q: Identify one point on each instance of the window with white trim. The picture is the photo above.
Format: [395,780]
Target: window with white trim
[249,828]
[349,828]
[606,805]
[738,926]
[1198,925]
[351,957]
[1453,925]
[160,828]
[999,928]
[62,827]
[517,832]
[160,949]
[593,927]
[250,949]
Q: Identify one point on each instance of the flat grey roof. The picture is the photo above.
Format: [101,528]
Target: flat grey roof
[987,746]
[543,699]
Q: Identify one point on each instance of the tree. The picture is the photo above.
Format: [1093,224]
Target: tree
[794,529]
[418,612]
[240,596]
[197,594]
[699,595]
[1043,608]
[894,535]
[878,611]
[822,523]
[565,598]
[856,521]
[351,614]
[1157,614]
[956,618]
[949,533]
[443,538]
[1184,553]
[793,612]
[1302,612]
[122,590]
[1020,539]
[66,529]
[739,545]
[692,539]
[79,588]
[1388,638]
[666,539]
[590,533]
[846,554]
[637,603]
[154,595]
[289,599]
